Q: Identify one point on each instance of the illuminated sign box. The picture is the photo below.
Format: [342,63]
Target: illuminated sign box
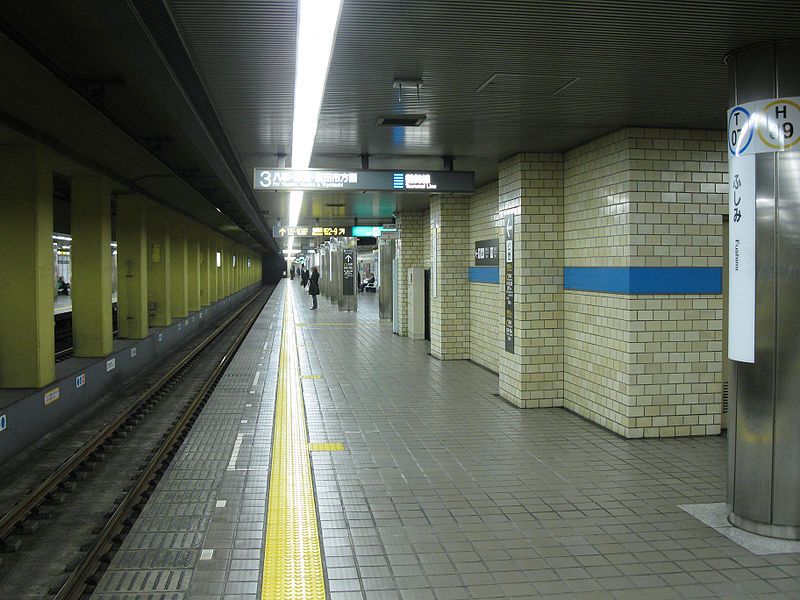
[311,231]
[364,180]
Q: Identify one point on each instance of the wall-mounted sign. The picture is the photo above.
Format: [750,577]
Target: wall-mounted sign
[742,258]
[487,253]
[363,180]
[307,231]
[509,283]
[348,271]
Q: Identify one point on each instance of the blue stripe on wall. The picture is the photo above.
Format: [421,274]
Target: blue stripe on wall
[484,274]
[645,280]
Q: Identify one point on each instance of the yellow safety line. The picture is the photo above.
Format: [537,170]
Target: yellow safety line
[292,560]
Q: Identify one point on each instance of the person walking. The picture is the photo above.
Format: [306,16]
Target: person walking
[313,286]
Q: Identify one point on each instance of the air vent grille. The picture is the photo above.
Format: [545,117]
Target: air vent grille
[401,120]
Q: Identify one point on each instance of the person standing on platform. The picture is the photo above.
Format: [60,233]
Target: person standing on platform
[313,286]
[304,276]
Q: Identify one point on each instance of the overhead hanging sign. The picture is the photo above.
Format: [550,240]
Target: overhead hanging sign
[363,180]
[770,125]
[315,231]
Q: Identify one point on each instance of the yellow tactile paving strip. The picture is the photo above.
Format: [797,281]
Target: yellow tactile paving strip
[326,447]
[293,559]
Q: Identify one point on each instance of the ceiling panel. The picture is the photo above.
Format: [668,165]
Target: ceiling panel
[244,51]
[494,73]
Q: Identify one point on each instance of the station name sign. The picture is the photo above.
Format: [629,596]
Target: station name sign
[364,180]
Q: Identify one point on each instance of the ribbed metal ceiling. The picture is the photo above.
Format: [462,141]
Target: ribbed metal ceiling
[244,50]
[498,77]
[654,63]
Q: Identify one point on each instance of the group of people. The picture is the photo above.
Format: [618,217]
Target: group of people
[310,279]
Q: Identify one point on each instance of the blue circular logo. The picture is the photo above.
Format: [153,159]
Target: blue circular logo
[736,131]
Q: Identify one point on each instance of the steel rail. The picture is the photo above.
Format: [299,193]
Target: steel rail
[23,508]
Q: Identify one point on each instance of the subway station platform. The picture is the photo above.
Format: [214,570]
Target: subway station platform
[422,484]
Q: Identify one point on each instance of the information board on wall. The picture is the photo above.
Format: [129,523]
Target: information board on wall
[509,282]
[487,253]
[762,126]
[348,271]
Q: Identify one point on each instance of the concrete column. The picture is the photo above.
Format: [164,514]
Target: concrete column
[409,253]
[237,268]
[159,283]
[92,326]
[450,259]
[132,266]
[193,264]
[213,247]
[221,270]
[179,266]
[229,268]
[206,264]
[27,286]
[532,189]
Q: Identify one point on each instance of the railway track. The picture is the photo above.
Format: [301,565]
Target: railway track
[58,539]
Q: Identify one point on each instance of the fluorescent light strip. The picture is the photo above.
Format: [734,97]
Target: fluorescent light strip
[316,30]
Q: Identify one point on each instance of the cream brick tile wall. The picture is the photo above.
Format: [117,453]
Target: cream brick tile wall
[449,302]
[409,249]
[645,365]
[531,186]
[426,239]
[485,299]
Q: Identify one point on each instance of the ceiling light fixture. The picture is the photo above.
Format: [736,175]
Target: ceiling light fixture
[316,30]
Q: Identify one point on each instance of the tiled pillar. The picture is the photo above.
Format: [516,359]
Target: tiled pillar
[132,266]
[409,254]
[159,294]
[27,286]
[532,189]
[92,323]
[649,204]
[179,266]
[450,260]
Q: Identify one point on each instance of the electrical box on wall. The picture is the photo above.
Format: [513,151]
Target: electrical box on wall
[416,304]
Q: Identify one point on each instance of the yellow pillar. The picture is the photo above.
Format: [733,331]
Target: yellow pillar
[212,261]
[27,286]
[221,268]
[92,326]
[159,294]
[206,260]
[179,266]
[132,266]
[228,266]
[193,263]
[237,270]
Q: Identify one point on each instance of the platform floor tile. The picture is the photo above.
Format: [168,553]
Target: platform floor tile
[443,490]
[447,492]
[200,534]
